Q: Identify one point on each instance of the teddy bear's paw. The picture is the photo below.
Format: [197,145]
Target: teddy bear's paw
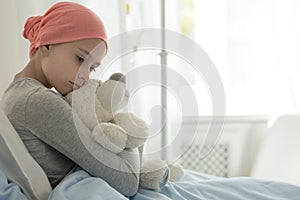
[89,88]
[149,183]
[154,175]
[176,171]
[80,100]
[110,136]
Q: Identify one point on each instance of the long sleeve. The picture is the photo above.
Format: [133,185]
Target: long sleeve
[51,119]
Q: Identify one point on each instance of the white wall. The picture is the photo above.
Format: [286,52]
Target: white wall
[9,40]
[14,48]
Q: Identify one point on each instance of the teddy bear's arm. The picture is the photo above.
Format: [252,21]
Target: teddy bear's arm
[110,136]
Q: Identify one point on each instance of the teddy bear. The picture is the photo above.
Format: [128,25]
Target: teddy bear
[98,105]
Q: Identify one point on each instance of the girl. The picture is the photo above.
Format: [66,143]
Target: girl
[61,42]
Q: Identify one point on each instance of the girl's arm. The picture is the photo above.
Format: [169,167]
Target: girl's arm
[51,119]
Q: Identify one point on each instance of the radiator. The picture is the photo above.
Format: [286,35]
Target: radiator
[234,151]
[215,163]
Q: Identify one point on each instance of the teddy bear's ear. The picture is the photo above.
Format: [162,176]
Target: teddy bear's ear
[118,77]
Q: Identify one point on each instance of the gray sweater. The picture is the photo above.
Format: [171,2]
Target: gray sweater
[57,139]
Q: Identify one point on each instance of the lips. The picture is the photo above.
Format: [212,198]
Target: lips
[74,85]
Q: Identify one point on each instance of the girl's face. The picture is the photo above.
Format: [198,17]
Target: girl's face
[67,66]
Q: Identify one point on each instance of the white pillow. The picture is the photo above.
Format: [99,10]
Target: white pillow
[278,157]
[18,165]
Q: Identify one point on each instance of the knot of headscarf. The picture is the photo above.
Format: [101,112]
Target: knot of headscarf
[63,22]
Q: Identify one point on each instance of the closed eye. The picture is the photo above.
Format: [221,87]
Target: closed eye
[94,66]
[92,69]
[80,59]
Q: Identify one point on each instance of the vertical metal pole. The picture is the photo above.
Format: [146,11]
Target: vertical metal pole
[163,61]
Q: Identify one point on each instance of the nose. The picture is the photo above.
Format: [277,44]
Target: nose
[82,76]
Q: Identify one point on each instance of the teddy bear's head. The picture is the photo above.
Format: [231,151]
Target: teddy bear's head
[96,101]
[99,103]
[112,93]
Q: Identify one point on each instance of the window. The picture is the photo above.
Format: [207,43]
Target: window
[255,47]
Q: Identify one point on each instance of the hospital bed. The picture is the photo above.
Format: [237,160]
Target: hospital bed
[17,164]
[22,178]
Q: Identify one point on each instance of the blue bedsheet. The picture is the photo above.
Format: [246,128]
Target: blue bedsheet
[193,185]
[202,186]
[80,185]
[9,190]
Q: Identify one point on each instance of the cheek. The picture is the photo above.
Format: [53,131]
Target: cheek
[66,68]
[47,67]
[50,64]
[73,70]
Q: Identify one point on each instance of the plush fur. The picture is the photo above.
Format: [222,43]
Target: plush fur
[97,104]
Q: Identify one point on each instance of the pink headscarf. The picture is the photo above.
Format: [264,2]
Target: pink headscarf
[63,22]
